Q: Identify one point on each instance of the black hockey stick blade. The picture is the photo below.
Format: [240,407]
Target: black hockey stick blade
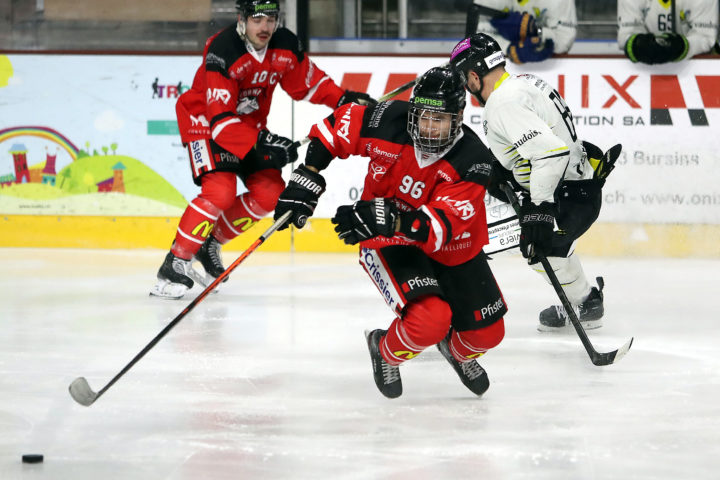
[82,393]
[597,358]
[603,359]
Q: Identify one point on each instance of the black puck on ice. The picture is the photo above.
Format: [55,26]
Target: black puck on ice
[32,458]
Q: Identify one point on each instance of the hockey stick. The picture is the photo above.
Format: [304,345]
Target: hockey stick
[673,24]
[597,358]
[384,98]
[80,389]
[473,16]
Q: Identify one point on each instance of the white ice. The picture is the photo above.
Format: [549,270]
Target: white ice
[270,378]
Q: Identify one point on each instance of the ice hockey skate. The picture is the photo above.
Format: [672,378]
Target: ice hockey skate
[174,278]
[589,312]
[210,258]
[387,377]
[472,375]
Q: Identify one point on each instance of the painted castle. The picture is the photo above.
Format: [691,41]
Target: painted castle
[47,174]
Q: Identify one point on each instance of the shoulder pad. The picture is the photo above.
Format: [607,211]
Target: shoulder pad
[471,159]
[284,39]
[387,121]
[224,50]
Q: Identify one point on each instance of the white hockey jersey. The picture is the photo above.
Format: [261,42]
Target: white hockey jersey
[530,130]
[697,21]
[557,18]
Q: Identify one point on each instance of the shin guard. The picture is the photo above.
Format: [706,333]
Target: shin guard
[195,225]
[570,273]
[264,188]
[471,344]
[425,322]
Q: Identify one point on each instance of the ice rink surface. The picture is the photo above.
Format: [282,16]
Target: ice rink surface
[270,378]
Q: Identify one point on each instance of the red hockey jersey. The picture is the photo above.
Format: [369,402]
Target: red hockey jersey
[231,93]
[450,189]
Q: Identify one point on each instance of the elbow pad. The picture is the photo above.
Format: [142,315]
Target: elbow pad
[317,155]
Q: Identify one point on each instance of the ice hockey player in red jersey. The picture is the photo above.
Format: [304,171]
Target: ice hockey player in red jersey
[420,224]
[222,121]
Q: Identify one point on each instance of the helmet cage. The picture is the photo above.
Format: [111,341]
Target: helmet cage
[435,113]
[431,126]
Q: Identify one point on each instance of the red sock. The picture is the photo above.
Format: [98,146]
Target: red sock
[195,225]
[425,322]
[264,188]
[471,344]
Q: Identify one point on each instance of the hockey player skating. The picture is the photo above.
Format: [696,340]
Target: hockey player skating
[420,224]
[222,121]
[530,130]
[649,33]
[531,31]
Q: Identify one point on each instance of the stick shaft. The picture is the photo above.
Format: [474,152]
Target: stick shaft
[473,16]
[596,357]
[403,87]
[384,98]
[673,20]
[280,221]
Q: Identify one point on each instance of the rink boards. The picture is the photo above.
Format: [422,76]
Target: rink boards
[105,168]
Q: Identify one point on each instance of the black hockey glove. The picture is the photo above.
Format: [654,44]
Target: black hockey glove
[605,165]
[531,50]
[516,26]
[675,44]
[365,219]
[499,175]
[300,197]
[647,48]
[356,97]
[536,228]
[277,151]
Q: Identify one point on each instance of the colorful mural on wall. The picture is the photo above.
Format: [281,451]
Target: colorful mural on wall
[120,184]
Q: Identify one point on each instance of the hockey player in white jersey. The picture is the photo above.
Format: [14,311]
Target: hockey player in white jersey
[531,31]
[530,131]
[648,32]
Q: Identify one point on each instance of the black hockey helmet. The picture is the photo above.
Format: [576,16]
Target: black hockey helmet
[436,105]
[251,8]
[479,53]
[254,8]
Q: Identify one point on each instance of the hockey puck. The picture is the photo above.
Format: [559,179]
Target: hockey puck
[32,458]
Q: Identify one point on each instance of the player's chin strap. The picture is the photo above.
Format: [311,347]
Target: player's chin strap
[597,358]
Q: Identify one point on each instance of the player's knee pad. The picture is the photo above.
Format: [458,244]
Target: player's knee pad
[471,344]
[571,276]
[264,188]
[219,188]
[427,320]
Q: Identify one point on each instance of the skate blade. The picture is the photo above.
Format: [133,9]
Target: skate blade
[203,279]
[169,290]
[587,325]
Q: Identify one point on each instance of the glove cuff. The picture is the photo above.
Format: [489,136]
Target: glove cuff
[543,213]
[686,47]
[309,180]
[415,225]
[629,48]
